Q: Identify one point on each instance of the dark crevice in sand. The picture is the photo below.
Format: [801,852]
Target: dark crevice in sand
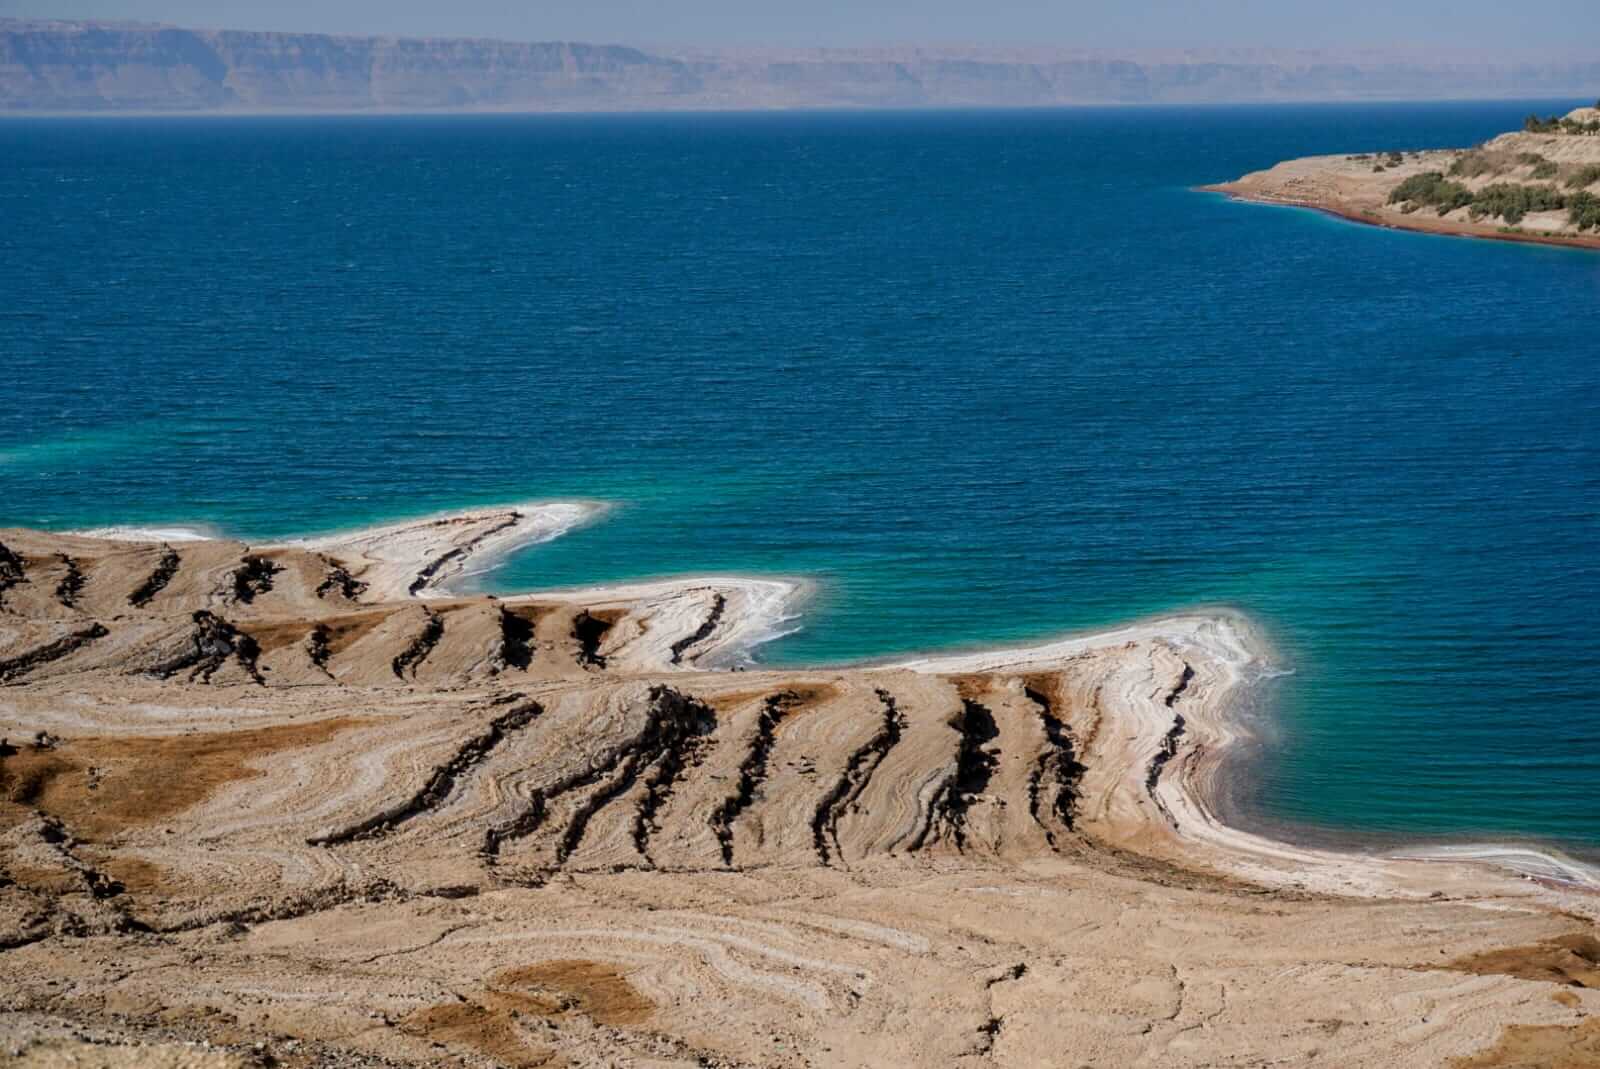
[22,664]
[1060,763]
[319,647]
[752,770]
[1169,743]
[703,632]
[12,571]
[1183,685]
[37,931]
[53,918]
[1015,972]
[252,578]
[589,631]
[308,903]
[96,883]
[425,577]
[516,640]
[71,584]
[854,779]
[1168,750]
[975,766]
[212,643]
[988,1032]
[156,581]
[671,721]
[339,581]
[684,747]
[441,784]
[408,659]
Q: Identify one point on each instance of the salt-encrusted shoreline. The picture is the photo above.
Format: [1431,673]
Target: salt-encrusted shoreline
[318,808]
[1172,807]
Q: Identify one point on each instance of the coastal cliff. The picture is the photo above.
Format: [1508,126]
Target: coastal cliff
[1539,184]
[81,66]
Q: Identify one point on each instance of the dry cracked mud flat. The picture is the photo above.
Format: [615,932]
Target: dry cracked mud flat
[300,805]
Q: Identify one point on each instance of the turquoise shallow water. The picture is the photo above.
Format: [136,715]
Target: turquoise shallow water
[985,376]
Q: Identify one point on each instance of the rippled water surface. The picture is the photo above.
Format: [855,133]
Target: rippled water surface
[986,377]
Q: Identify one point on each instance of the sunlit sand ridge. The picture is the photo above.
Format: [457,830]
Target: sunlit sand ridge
[309,800]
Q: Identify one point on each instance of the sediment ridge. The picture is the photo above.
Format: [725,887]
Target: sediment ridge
[312,804]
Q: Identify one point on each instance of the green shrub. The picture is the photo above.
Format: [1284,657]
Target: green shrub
[1555,124]
[1512,202]
[1471,165]
[1432,189]
[1583,211]
[1545,169]
[1584,176]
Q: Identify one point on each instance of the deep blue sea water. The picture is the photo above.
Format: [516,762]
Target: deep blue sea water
[986,376]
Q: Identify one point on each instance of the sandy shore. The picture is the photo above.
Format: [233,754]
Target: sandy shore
[304,803]
[1371,209]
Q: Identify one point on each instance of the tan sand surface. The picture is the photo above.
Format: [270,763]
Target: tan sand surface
[303,805]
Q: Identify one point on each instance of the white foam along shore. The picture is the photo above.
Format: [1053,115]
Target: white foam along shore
[147,534]
[715,621]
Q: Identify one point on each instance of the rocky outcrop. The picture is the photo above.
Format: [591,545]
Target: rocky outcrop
[211,643]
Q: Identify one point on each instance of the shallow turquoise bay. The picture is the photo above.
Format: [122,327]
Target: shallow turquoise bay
[987,377]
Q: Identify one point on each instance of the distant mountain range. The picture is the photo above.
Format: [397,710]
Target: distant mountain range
[61,66]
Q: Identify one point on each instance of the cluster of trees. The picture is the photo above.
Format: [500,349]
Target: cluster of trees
[1503,200]
[1510,202]
[1385,160]
[1473,164]
[1431,190]
[1557,124]
[1583,209]
[1584,176]
[1477,163]
[1542,168]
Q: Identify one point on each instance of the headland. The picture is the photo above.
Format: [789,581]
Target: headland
[1540,184]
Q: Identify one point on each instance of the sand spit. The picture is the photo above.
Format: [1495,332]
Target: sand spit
[1357,187]
[421,558]
[303,804]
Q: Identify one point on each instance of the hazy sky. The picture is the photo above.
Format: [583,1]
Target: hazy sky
[1572,26]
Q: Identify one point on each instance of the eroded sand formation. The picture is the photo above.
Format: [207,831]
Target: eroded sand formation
[1358,187]
[306,806]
